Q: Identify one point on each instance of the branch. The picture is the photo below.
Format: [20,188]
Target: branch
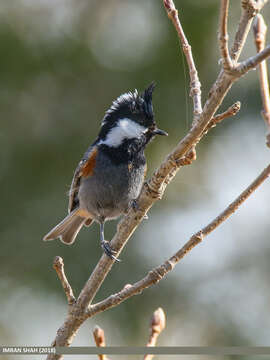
[249,9]
[99,338]
[151,192]
[191,155]
[252,62]
[231,111]
[58,265]
[195,85]
[223,36]
[169,167]
[260,29]
[157,325]
[159,272]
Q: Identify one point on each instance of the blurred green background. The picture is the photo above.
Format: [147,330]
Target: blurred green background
[62,63]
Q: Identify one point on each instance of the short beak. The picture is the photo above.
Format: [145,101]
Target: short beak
[160,132]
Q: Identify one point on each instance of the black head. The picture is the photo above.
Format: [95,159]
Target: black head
[131,111]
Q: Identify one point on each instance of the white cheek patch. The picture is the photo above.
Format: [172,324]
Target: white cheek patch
[125,129]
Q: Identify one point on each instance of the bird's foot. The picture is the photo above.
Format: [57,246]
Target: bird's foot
[134,204]
[108,250]
[135,207]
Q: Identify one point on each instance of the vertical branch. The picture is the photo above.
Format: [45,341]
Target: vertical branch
[247,15]
[58,265]
[223,36]
[260,30]
[195,85]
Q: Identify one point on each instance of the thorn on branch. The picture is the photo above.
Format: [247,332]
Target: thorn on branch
[260,29]
[99,338]
[58,265]
[157,325]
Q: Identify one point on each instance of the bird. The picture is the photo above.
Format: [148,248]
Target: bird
[111,173]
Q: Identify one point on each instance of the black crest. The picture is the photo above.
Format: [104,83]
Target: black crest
[132,103]
[147,97]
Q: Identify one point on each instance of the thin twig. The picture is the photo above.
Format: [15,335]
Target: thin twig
[252,62]
[249,9]
[195,85]
[260,30]
[157,325]
[158,273]
[99,338]
[223,36]
[169,167]
[58,265]
[231,111]
[191,155]
[242,31]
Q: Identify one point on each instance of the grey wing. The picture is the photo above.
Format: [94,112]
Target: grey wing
[85,168]
[74,188]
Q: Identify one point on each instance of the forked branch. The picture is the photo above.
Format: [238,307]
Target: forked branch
[153,190]
[231,111]
[159,272]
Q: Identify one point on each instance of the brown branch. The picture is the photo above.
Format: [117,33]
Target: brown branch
[252,62]
[159,272]
[169,167]
[157,325]
[195,85]
[247,16]
[260,29]
[249,9]
[58,265]
[231,111]
[223,36]
[191,155]
[99,338]
[151,192]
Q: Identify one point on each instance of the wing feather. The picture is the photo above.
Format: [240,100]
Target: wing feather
[85,168]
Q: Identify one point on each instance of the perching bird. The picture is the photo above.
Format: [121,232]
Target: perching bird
[109,178]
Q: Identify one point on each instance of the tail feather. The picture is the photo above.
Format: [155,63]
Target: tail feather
[68,228]
[68,236]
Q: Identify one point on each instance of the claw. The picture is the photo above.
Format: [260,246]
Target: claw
[109,251]
[134,205]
